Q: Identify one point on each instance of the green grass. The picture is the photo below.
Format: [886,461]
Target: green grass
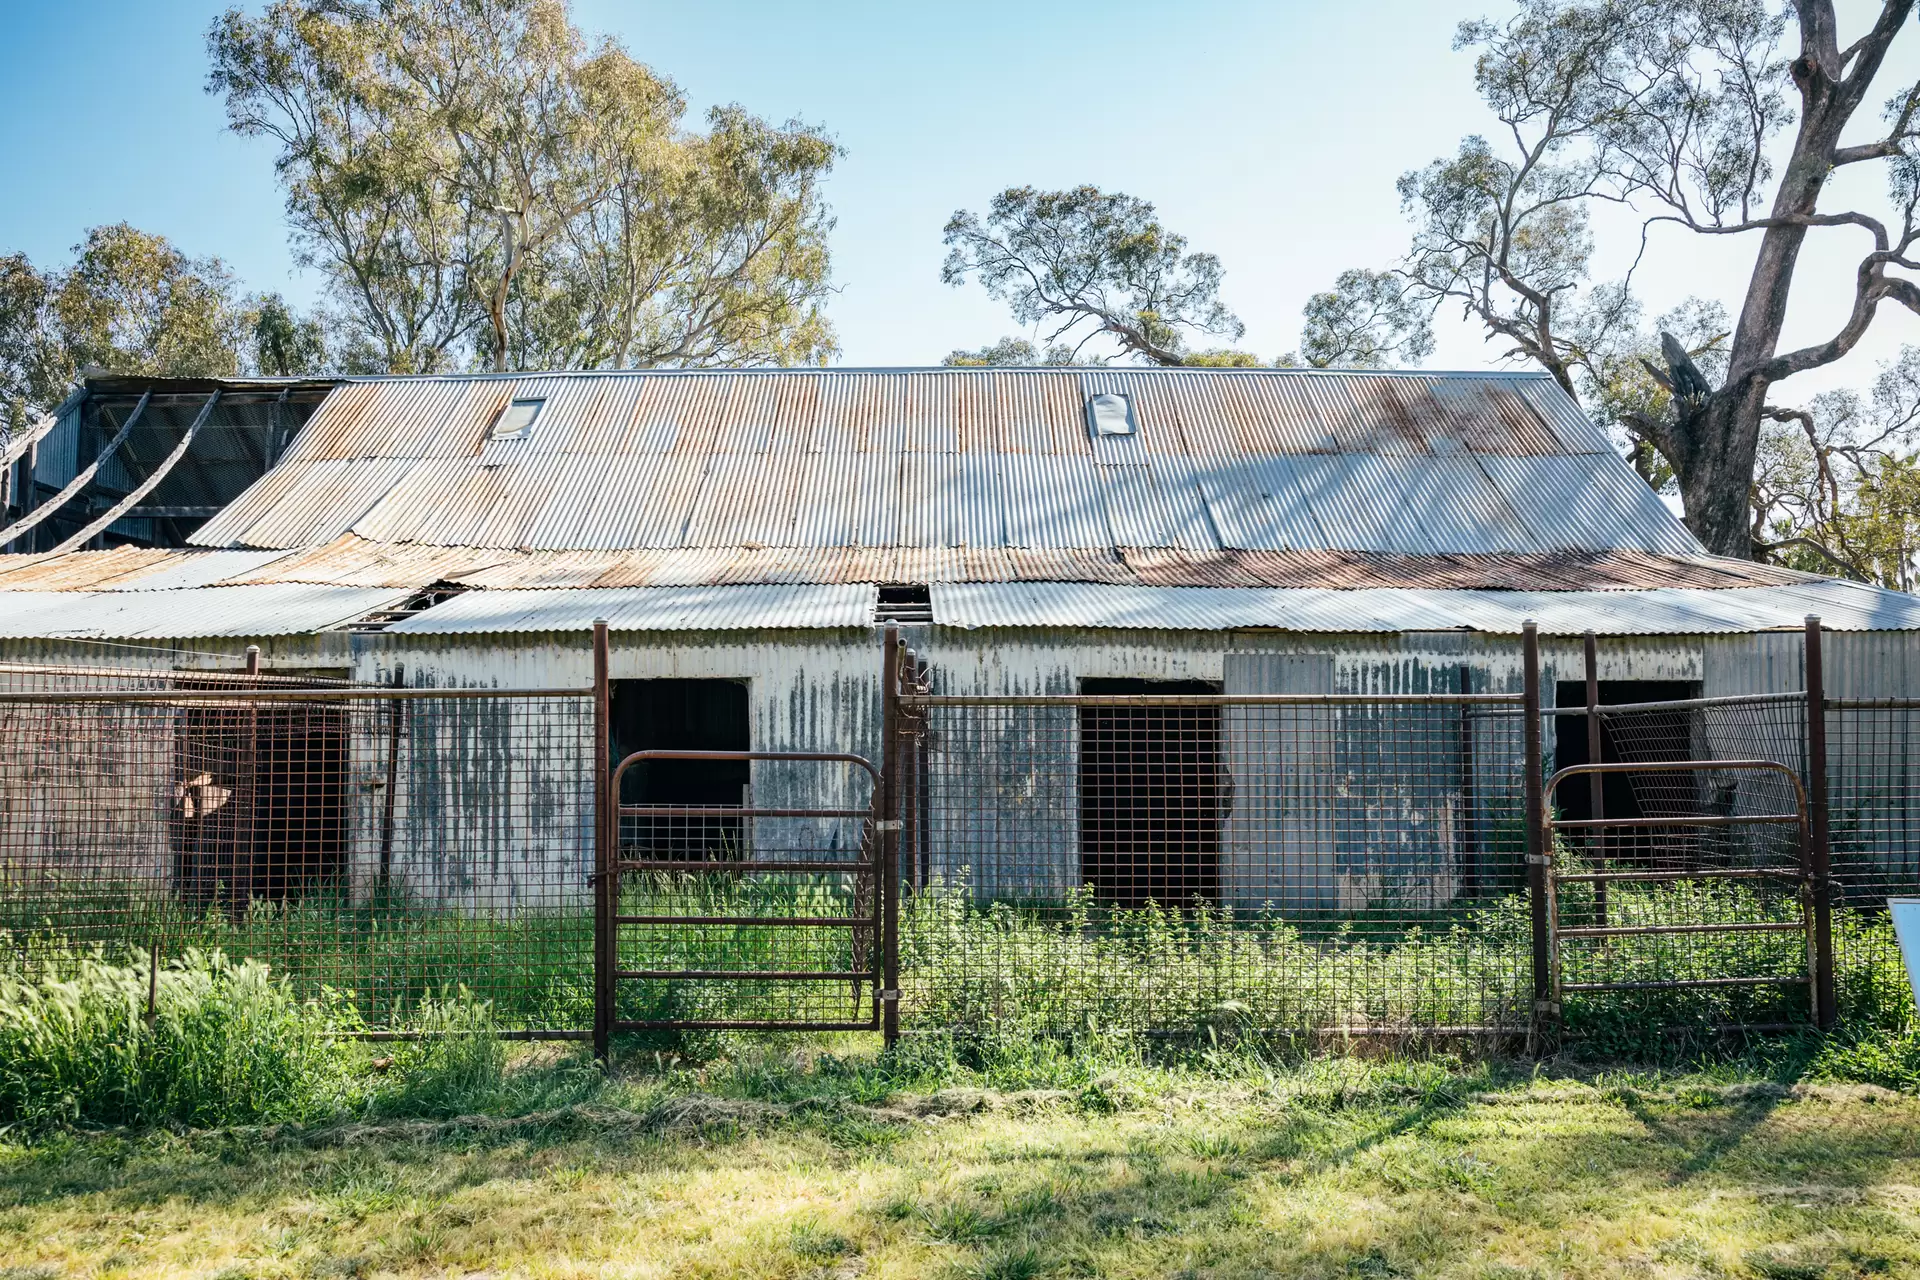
[798,1163]
[384,954]
[237,1134]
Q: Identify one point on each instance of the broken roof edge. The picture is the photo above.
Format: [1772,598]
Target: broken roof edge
[117,384]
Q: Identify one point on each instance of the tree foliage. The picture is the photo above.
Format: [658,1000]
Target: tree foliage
[1010,353]
[481,185]
[133,303]
[1086,264]
[286,344]
[1366,321]
[1837,485]
[31,377]
[1718,117]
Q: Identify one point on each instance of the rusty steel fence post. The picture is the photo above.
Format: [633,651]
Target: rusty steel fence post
[605,886]
[1596,789]
[1468,836]
[1819,829]
[390,801]
[888,872]
[1540,1024]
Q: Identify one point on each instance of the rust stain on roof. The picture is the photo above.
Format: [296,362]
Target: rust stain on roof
[351,561]
[727,460]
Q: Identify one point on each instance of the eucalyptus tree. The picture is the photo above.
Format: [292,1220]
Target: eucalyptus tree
[1836,486]
[1007,353]
[1722,118]
[31,377]
[1086,264]
[481,183]
[1366,321]
[132,302]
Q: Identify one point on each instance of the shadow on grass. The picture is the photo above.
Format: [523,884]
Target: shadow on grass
[1324,1169]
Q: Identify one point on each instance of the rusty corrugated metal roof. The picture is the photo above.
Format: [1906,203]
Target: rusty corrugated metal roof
[962,460]
[357,562]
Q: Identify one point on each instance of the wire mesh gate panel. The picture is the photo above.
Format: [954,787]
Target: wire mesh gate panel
[1173,861]
[743,916]
[1873,776]
[1704,891]
[386,845]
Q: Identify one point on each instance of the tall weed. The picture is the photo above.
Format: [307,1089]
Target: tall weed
[226,1043]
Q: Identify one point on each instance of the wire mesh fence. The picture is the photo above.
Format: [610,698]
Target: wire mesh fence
[1169,860]
[383,846]
[1873,774]
[1162,862]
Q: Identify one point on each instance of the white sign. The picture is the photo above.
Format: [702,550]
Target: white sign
[1906,927]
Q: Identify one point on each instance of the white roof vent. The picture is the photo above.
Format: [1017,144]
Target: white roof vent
[1110,414]
[516,420]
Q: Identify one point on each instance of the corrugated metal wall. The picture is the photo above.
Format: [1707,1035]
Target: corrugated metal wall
[820,691]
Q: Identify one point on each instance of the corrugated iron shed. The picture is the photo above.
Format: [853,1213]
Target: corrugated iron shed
[959,460]
[1842,606]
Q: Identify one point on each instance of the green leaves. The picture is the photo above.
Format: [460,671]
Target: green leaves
[1366,321]
[227,1044]
[134,303]
[1089,263]
[484,187]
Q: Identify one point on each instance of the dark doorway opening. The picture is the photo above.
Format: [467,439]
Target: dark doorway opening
[259,802]
[1625,738]
[1151,791]
[682,715]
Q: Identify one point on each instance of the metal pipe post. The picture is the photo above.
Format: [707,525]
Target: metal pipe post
[1819,854]
[1536,844]
[1596,789]
[891,762]
[253,659]
[1469,807]
[391,802]
[604,885]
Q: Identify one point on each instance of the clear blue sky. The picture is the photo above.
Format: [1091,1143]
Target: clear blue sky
[1268,133]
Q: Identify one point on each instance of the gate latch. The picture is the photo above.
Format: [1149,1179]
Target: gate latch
[891,994]
[887,824]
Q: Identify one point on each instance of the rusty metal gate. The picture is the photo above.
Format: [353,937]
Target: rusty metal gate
[743,917]
[1710,888]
